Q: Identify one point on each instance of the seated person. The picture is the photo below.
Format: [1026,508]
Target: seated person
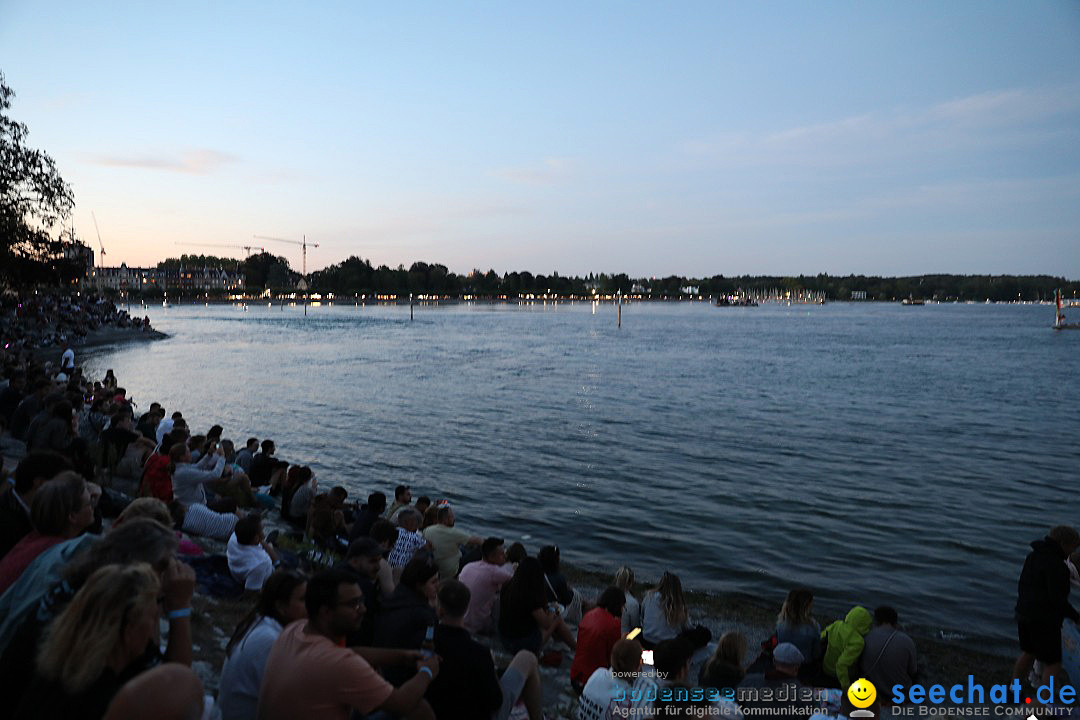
[106,635]
[558,590]
[410,611]
[631,618]
[409,540]
[280,603]
[610,692]
[62,508]
[844,645]
[790,697]
[525,620]
[485,579]
[725,668]
[309,674]
[402,499]
[889,656]
[251,558]
[247,454]
[796,625]
[326,519]
[598,632]
[672,662]
[468,687]
[267,469]
[369,513]
[190,477]
[200,520]
[303,496]
[664,616]
[296,477]
[446,541]
[365,564]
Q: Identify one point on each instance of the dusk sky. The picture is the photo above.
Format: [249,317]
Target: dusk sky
[692,138]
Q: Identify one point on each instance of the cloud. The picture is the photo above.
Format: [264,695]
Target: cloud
[1005,118]
[191,162]
[549,171]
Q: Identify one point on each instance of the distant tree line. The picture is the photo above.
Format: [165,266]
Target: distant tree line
[358,277]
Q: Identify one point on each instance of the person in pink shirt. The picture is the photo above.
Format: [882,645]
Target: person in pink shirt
[311,674]
[485,578]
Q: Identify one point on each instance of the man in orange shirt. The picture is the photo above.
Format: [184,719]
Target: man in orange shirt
[311,674]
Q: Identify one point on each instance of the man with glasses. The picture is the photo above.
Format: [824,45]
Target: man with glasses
[310,674]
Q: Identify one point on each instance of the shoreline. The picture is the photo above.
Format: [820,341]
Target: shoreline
[100,338]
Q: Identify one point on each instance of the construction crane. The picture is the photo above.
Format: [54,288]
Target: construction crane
[245,248]
[98,238]
[303,244]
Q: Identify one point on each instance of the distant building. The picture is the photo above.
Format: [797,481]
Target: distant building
[858,294]
[125,279]
[81,258]
[689,290]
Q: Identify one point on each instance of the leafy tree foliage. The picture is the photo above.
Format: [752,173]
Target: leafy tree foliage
[199,261]
[268,271]
[34,200]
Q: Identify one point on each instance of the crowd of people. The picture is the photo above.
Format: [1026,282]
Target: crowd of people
[399,614]
[49,317]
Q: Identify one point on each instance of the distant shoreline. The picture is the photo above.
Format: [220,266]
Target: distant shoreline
[573,300]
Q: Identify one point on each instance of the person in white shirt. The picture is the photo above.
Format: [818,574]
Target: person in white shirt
[251,558]
[188,478]
[281,602]
[166,425]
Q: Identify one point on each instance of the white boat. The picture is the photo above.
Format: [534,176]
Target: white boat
[1059,319]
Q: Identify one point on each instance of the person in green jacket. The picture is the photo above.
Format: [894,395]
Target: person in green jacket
[844,639]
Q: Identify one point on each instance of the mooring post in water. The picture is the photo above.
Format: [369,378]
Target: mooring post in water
[620,310]
[410,307]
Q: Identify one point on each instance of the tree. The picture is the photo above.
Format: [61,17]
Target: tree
[34,199]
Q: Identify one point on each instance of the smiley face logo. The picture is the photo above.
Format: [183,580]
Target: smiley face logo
[862,693]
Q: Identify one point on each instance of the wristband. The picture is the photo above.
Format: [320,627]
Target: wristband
[181,613]
[426,669]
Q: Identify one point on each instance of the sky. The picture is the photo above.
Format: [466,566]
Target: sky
[688,138]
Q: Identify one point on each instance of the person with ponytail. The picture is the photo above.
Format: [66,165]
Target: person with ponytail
[281,603]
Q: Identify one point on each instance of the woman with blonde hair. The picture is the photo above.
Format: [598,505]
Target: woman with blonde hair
[663,611]
[106,636]
[796,624]
[631,617]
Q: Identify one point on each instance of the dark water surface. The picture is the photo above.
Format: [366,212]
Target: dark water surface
[875,453]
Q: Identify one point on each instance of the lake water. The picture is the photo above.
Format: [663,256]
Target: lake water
[872,452]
